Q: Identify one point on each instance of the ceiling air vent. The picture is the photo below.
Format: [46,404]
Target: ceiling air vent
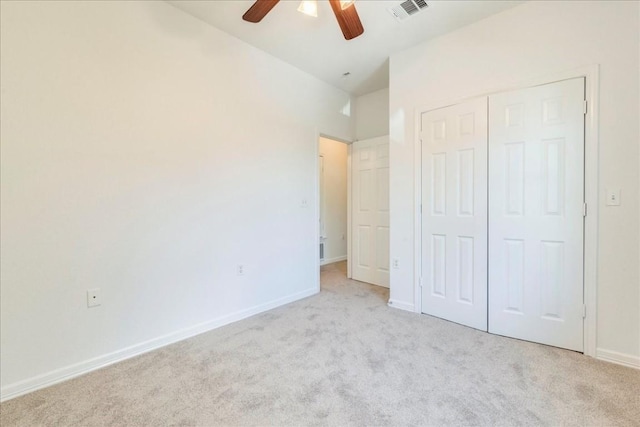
[407,8]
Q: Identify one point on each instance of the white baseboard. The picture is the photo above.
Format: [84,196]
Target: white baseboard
[401,305]
[332,260]
[63,374]
[619,358]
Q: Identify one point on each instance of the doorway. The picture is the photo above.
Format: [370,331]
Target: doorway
[354,207]
[333,215]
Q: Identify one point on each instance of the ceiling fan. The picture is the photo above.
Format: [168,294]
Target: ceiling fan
[345,12]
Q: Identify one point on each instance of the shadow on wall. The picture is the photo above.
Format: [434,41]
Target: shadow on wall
[373,82]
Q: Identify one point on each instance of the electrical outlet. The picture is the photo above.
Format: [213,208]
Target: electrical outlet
[304,203]
[93,297]
[240,270]
[395,263]
[613,197]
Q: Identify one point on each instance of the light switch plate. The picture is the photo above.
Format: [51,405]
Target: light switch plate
[613,197]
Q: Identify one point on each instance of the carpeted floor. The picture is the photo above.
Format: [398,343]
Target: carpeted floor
[342,357]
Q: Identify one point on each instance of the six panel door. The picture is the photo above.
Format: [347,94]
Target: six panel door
[536,200]
[454,213]
[370,211]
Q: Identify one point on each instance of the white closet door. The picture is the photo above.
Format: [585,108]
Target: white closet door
[536,196]
[370,212]
[454,213]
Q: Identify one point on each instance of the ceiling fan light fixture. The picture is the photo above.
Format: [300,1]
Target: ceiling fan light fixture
[346,3]
[309,7]
[348,18]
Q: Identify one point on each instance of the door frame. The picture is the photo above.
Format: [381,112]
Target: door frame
[591,75]
[317,205]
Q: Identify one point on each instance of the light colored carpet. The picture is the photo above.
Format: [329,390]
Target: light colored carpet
[342,358]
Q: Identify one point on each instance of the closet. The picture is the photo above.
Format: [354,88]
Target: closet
[503,213]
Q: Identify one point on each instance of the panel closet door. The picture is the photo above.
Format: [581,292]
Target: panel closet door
[454,213]
[536,199]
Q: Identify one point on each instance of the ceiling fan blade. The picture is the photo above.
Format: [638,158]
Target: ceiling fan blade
[348,20]
[259,10]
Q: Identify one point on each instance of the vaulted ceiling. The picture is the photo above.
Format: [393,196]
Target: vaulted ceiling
[316,45]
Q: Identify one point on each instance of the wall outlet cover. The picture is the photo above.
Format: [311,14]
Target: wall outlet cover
[93,297]
[613,197]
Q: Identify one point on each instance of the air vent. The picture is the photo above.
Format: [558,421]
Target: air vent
[321,251]
[407,8]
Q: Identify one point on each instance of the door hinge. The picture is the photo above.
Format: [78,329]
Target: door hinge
[420,281]
[584,311]
[586,105]
[584,209]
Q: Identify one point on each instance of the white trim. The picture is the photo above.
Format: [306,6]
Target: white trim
[623,359]
[591,73]
[316,210]
[63,374]
[321,200]
[591,185]
[401,305]
[349,207]
[334,138]
[332,260]
[417,215]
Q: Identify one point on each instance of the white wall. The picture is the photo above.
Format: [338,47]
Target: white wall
[148,154]
[372,114]
[534,40]
[335,199]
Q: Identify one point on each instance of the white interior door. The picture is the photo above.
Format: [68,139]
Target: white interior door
[370,212]
[536,197]
[454,213]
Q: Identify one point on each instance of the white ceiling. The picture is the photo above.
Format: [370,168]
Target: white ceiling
[316,45]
